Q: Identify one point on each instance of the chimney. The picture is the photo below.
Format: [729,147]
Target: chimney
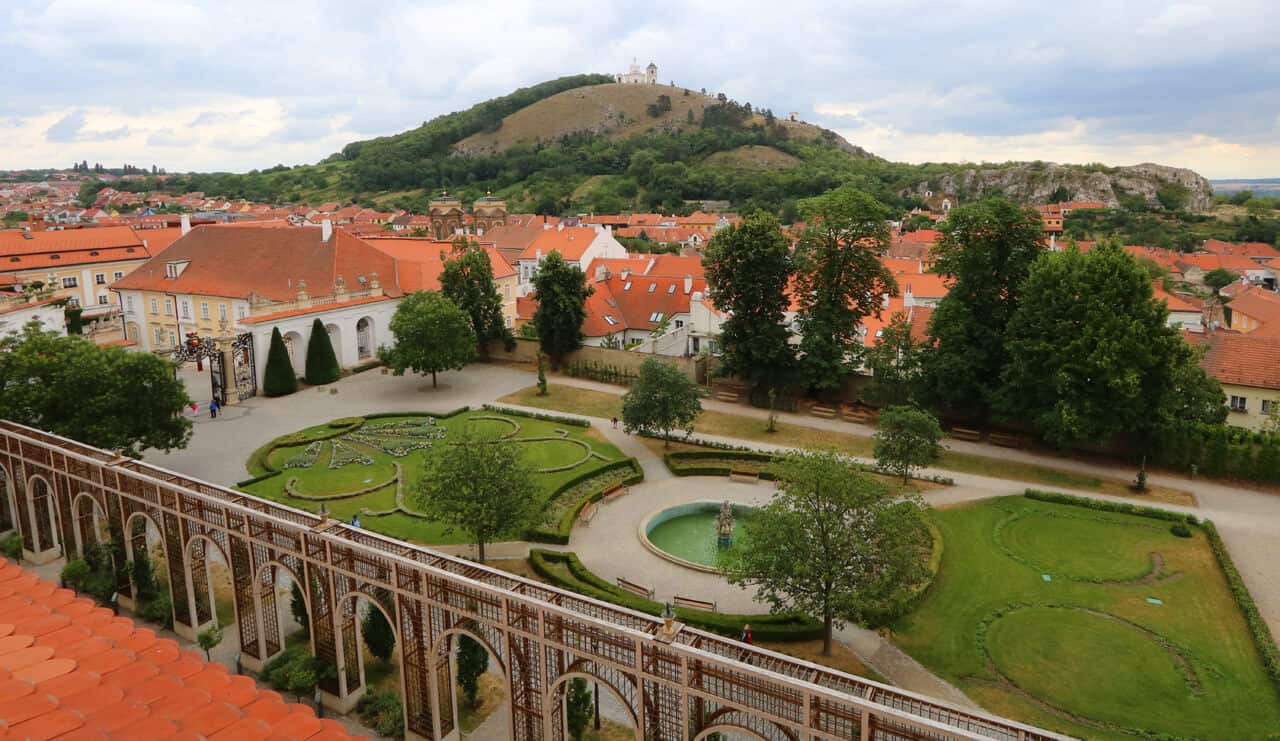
[375,286]
[908,299]
[302,291]
[920,266]
[326,230]
[186,224]
[688,284]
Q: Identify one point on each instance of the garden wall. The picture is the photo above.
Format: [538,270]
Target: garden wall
[526,351]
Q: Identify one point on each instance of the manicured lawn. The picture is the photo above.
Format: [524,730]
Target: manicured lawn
[1098,657]
[605,405]
[571,450]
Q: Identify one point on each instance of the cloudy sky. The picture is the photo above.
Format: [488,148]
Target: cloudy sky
[234,85]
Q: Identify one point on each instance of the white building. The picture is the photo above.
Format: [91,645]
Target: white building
[637,76]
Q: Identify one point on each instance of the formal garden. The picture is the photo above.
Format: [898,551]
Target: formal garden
[370,468]
[1103,624]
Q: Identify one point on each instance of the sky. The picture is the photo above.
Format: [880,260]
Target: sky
[235,85]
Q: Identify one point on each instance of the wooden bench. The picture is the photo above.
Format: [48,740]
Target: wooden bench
[729,396]
[588,513]
[613,491]
[857,416]
[964,433]
[1005,440]
[825,412]
[695,604]
[634,588]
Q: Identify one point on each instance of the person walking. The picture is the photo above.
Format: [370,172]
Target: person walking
[615,423]
[355,520]
[213,409]
[745,636]
[319,704]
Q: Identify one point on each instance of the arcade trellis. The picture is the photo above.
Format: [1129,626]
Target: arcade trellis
[678,684]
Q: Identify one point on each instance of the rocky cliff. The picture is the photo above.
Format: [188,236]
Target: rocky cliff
[1038,182]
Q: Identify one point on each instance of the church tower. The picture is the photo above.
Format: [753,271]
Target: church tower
[651,74]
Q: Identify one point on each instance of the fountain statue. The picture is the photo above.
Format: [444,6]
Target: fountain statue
[724,525]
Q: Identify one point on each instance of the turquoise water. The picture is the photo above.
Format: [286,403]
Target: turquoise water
[692,536]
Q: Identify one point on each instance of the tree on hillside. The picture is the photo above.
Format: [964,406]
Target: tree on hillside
[561,289]
[279,378]
[1220,278]
[986,251]
[432,335]
[101,396]
[322,361]
[663,399]
[1091,353]
[748,267]
[833,543]
[894,362]
[480,485]
[467,280]
[907,440]
[839,280]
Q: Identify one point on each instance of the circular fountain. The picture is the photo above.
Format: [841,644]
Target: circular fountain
[696,533]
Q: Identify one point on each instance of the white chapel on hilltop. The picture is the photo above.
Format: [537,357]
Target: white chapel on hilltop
[638,76]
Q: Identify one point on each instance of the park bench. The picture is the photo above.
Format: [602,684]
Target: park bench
[964,433]
[823,411]
[695,604]
[615,490]
[729,396]
[634,588]
[855,415]
[1005,440]
[588,513]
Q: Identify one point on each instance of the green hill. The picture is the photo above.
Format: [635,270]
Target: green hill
[586,144]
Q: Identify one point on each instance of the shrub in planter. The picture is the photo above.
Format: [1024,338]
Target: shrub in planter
[322,362]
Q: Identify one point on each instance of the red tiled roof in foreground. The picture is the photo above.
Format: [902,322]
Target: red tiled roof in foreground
[71,669]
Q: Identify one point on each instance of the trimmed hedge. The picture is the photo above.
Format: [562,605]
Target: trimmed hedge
[1258,629]
[322,362]
[443,415]
[279,378]
[560,536]
[672,461]
[1155,513]
[572,421]
[764,627]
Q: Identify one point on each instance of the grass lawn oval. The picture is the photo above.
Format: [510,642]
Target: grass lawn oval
[1082,546]
[1085,663]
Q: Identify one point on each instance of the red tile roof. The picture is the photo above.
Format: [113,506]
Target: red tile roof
[1243,359]
[1254,250]
[72,670]
[1207,261]
[1175,302]
[265,261]
[571,242]
[24,250]
[419,262]
[632,303]
[1258,303]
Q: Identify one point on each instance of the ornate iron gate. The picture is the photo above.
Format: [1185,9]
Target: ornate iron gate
[242,366]
[218,376]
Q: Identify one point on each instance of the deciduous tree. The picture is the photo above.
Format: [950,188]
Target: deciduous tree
[480,485]
[467,280]
[832,543]
[1219,278]
[101,396]
[561,289]
[208,639]
[1091,353]
[748,267]
[432,335]
[839,281]
[986,252]
[663,399]
[473,662]
[377,632]
[907,440]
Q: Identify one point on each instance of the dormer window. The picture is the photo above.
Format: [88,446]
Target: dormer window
[671,288]
[93,253]
[653,287]
[174,268]
[55,257]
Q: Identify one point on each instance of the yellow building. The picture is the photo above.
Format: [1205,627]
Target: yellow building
[1248,367]
[80,265]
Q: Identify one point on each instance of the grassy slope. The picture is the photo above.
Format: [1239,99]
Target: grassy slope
[320,479]
[606,405]
[1097,667]
[618,111]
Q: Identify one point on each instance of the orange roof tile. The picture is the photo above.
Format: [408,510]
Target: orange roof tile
[165,693]
[1243,359]
[571,242]
[1257,303]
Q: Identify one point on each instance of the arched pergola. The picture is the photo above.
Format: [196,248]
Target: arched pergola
[90,522]
[555,712]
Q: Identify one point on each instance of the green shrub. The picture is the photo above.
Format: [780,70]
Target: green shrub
[74,574]
[11,546]
[574,421]
[383,711]
[1181,529]
[279,378]
[159,610]
[346,424]
[322,363]
[1054,497]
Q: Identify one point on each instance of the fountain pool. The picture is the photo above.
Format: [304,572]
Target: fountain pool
[686,534]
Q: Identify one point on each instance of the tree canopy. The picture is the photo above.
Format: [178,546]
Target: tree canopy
[907,440]
[101,396]
[748,267]
[839,281]
[467,280]
[986,252]
[480,485]
[832,543]
[432,335]
[561,289]
[1091,354]
[661,400]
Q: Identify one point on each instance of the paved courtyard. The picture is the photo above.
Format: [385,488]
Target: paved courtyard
[1248,520]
